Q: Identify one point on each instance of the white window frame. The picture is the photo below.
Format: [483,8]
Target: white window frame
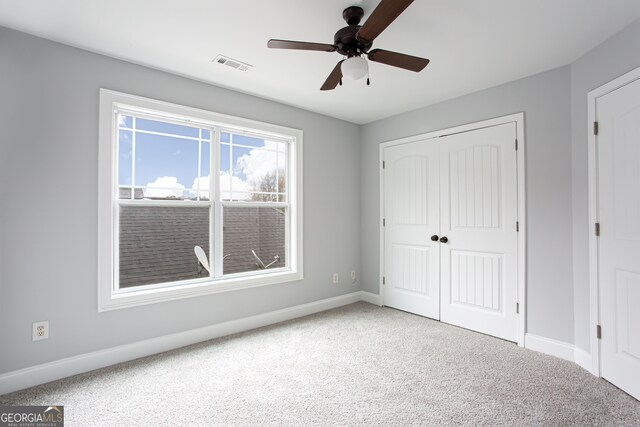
[110,298]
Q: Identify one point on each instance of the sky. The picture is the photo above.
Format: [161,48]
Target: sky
[168,164]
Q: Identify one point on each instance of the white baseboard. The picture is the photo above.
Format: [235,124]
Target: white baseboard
[549,346]
[583,359]
[51,371]
[46,372]
[371,298]
[559,349]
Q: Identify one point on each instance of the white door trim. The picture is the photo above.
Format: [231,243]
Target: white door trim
[594,295]
[518,119]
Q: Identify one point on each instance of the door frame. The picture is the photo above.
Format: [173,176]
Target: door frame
[594,286]
[518,119]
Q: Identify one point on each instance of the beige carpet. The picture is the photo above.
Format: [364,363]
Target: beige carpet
[356,365]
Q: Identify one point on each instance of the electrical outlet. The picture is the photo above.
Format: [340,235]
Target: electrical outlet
[353,276]
[40,330]
[335,279]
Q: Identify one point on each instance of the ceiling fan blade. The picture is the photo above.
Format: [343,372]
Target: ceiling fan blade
[383,15]
[334,78]
[290,44]
[400,60]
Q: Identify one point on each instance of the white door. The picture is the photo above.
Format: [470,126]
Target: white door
[411,215]
[618,145]
[478,205]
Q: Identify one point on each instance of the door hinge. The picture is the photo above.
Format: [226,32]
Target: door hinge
[597,229]
[517,226]
[596,128]
[598,331]
[384,222]
[383,280]
[516,145]
[517,308]
[383,164]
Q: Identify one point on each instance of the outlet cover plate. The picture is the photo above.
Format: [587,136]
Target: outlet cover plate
[335,279]
[40,330]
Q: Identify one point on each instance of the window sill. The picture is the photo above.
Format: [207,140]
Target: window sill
[133,298]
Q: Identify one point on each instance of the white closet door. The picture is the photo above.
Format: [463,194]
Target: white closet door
[618,146]
[478,205]
[411,218]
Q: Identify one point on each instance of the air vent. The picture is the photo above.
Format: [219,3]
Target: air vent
[233,63]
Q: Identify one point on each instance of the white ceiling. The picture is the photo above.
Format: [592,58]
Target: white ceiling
[472,44]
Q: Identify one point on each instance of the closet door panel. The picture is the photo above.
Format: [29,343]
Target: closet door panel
[411,215]
[478,207]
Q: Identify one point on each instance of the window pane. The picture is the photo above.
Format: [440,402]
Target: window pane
[232,186]
[239,183]
[240,154]
[125,158]
[125,121]
[247,140]
[257,229]
[163,127]
[225,172]
[157,244]
[165,165]
[205,170]
[225,159]
[262,171]
[256,173]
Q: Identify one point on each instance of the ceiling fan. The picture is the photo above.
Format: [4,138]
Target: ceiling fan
[354,41]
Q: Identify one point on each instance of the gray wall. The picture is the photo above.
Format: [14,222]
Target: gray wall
[613,58]
[545,100]
[48,182]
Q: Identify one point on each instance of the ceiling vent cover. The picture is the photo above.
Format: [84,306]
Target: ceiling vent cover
[233,63]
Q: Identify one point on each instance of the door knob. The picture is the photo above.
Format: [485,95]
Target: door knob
[444,239]
[434,238]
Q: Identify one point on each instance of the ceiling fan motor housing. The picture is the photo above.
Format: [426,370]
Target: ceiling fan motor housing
[345,38]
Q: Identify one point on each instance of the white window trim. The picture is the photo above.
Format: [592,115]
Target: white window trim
[110,300]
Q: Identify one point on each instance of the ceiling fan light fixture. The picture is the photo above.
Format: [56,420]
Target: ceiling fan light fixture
[355,68]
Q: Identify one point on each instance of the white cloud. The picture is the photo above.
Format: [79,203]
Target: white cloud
[226,181]
[260,162]
[164,187]
[204,186]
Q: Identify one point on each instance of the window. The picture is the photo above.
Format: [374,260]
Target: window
[192,202]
